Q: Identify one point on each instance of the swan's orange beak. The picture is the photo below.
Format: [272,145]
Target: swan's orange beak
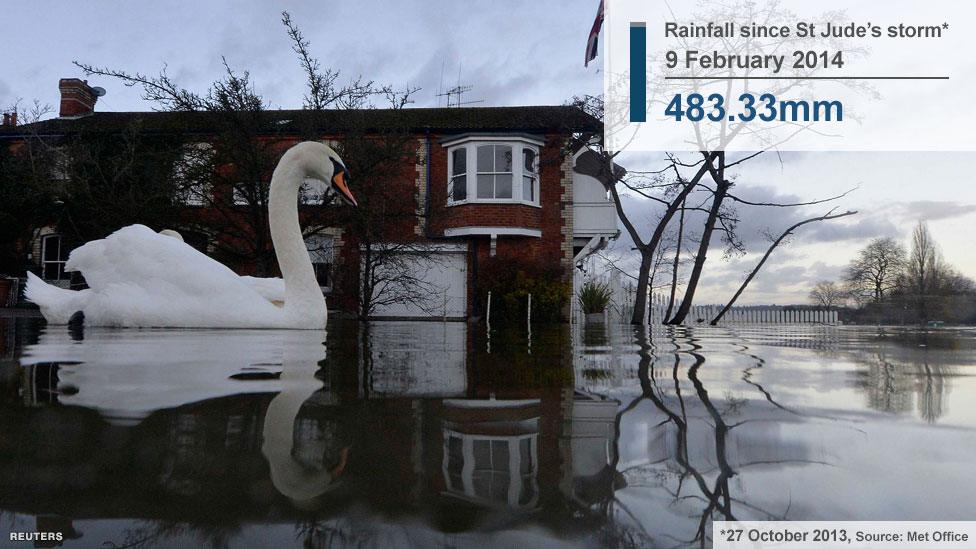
[341,182]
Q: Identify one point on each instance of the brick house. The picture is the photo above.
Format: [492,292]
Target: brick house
[487,183]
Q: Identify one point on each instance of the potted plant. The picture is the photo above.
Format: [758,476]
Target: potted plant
[594,298]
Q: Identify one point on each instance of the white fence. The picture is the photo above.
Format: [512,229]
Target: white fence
[625,293]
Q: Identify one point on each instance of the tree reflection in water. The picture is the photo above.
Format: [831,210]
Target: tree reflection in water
[716,496]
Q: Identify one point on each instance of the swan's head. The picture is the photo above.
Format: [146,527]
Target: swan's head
[327,166]
[340,180]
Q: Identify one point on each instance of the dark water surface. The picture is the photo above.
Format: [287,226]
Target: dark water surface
[434,435]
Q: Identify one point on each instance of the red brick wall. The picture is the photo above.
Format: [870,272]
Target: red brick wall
[491,215]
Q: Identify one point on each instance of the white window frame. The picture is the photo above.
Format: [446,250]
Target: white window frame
[57,263]
[516,477]
[470,146]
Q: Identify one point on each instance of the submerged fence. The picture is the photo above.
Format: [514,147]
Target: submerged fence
[625,295]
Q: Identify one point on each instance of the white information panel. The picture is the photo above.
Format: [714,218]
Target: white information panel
[832,75]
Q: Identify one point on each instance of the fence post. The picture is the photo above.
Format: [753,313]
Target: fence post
[488,312]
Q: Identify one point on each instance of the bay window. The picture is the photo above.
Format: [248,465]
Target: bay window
[493,169]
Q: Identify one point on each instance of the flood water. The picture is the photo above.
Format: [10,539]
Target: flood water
[436,435]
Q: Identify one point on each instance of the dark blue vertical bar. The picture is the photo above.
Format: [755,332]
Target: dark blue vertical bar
[638,72]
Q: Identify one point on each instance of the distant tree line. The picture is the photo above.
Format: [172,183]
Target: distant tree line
[889,283]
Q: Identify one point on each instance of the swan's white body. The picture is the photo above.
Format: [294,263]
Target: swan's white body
[140,278]
[272,289]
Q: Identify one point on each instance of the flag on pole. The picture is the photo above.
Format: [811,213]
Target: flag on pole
[591,42]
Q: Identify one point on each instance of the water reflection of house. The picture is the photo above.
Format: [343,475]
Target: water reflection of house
[491,451]
[470,444]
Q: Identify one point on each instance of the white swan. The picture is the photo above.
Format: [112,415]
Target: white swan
[140,278]
[272,289]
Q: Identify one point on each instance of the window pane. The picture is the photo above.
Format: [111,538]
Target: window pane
[499,455]
[482,455]
[320,248]
[486,186]
[481,482]
[455,455]
[503,186]
[499,487]
[485,158]
[52,245]
[313,192]
[528,188]
[525,455]
[503,158]
[459,187]
[528,490]
[321,252]
[460,160]
[528,160]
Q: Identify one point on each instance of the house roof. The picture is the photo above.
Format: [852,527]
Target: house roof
[532,119]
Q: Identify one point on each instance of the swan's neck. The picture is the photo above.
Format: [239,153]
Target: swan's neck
[303,297]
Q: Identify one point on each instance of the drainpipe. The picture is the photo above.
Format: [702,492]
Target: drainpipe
[427,184]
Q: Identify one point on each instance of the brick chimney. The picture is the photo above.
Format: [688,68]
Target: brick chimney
[77,97]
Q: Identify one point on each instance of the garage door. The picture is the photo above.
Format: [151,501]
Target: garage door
[443,292]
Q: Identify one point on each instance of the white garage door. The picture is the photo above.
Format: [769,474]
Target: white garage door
[444,291]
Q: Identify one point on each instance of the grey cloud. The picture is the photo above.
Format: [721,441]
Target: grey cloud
[932,210]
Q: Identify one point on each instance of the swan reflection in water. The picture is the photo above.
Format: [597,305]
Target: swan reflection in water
[128,375]
[301,480]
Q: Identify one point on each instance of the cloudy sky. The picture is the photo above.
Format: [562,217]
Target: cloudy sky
[512,53]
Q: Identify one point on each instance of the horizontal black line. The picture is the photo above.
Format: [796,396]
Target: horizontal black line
[806,77]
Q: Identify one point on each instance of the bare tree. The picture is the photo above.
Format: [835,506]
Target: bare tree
[874,273]
[721,192]
[830,215]
[826,294]
[923,269]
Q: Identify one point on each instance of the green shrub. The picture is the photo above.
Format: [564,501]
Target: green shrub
[510,283]
[594,297]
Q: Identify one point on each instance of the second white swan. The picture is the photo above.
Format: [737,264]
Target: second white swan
[140,278]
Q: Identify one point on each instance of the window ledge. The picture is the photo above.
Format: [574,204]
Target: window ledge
[496,201]
[493,231]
